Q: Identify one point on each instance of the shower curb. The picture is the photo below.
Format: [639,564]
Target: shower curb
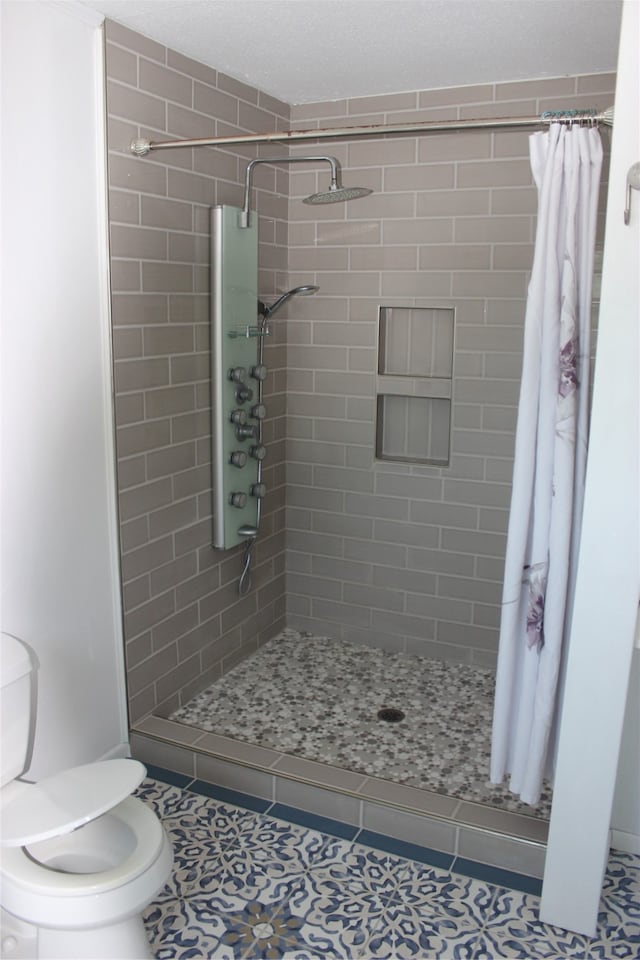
[460,829]
[334,828]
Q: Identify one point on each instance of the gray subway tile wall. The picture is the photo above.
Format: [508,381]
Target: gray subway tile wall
[404,556]
[184,622]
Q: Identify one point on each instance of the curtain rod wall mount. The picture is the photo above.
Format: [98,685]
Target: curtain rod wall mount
[141,147]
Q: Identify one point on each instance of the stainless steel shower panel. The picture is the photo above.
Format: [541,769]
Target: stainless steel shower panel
[234,281]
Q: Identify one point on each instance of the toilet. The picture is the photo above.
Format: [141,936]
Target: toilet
[81,858]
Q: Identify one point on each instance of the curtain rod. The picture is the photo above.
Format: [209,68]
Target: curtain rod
[140,147]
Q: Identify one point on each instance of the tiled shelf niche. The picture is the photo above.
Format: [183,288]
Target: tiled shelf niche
[413,429]
[414,386]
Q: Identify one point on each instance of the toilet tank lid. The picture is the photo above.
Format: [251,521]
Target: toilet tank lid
[31,812]
[15,661]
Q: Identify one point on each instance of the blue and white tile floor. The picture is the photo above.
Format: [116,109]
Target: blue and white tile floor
[249,884]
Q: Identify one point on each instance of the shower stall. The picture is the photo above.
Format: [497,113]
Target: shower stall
[376,549]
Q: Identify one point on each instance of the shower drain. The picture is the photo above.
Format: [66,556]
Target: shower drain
[390,715]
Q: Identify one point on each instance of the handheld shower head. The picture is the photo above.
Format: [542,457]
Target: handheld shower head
[304,291]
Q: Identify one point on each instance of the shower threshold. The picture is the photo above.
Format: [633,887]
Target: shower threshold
[309,737]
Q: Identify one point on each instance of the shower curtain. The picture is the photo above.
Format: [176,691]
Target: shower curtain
[550,459]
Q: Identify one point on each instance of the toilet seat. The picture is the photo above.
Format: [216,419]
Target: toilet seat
[47,897]
[32,812]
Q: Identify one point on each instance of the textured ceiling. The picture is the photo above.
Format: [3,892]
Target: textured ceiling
[306,50]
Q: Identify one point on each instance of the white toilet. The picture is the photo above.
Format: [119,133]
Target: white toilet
[81,858]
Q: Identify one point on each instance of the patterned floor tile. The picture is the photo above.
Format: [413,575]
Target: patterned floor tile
[200,832]
[522,944]
[622,880]
[207,822]
[445,894]
[361,871]
[618,933]
[244,874]
[287,842]
[409,930]
[183,929]
[301,953]
[247,886]
[513,929]
[334,923]
[261,930]
[318,698]
[341,901]
[161,797]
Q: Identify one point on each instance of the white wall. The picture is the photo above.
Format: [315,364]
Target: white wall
[59,557]
[625,819]
[607,588]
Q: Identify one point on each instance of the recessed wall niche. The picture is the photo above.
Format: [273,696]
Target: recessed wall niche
[415,374]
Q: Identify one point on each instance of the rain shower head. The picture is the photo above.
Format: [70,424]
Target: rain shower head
[335,194]
[304,291]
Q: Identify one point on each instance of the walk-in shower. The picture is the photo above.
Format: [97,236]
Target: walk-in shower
[330,487]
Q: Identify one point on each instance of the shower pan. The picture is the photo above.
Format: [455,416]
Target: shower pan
[421,723]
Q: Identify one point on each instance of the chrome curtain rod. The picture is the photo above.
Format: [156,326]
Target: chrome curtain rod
[141,146]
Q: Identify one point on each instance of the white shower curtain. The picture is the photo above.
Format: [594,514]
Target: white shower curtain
[550,457]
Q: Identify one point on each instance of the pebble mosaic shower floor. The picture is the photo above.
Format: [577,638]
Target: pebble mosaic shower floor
[318,698]
[253,885]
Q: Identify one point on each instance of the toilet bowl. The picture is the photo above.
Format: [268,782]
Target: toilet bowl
[81,857]
[85,891]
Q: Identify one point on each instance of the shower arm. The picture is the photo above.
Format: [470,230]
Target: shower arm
[244,218]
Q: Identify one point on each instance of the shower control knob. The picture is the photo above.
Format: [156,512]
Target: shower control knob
[243,393]
[239,417]
[259,490]
[259,411]
[237,374]
[259,372]
[238,500]
[246,433]
[238,458]
[258,452]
